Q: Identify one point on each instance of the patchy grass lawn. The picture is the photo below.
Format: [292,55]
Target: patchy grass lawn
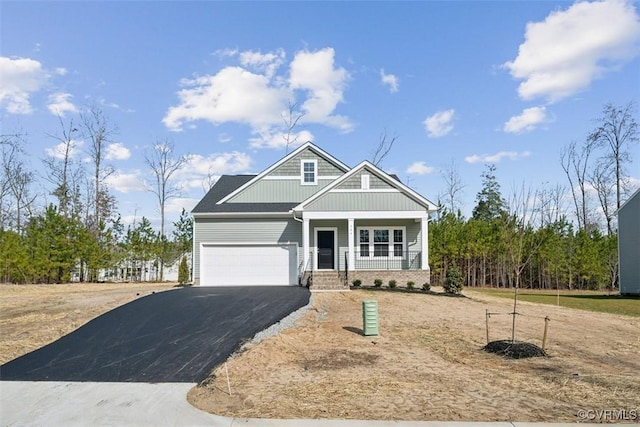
[427,363]
[583,300]
[34,315]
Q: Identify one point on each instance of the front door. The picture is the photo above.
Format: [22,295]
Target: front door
[325,245]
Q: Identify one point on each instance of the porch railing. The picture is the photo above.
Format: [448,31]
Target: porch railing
[388,260]
[304,269]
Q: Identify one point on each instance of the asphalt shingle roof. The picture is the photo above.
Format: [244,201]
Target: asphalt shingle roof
[228,184]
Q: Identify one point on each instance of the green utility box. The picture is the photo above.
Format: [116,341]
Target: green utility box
[370,317]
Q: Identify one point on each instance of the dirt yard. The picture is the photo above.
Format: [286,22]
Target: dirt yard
[427,363]
[34,315]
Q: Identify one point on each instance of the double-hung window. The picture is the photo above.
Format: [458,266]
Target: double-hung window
[309,172]
[381,242]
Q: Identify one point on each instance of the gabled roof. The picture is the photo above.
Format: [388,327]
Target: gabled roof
[392,180]
[294,153]
[227,184]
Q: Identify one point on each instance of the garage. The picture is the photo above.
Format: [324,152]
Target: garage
[248,265]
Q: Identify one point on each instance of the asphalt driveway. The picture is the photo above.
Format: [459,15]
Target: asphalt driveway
[173,336]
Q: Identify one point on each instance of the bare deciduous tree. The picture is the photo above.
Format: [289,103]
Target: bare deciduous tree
[163,165]
[551,204]
[617,129]
[453,186]
[603,181]
[96,128]
[17,180]
[291,119]
[575,163]
[61,171]
[384,148]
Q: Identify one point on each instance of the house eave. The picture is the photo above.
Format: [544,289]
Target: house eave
[204,215]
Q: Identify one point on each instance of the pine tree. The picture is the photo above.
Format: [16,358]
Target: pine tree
[183,271]
[489,201]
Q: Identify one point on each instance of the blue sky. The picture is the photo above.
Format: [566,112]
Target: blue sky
[508,83]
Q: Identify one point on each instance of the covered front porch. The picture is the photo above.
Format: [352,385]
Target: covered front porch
[339,247]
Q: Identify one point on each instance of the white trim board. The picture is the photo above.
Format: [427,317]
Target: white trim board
[365,215]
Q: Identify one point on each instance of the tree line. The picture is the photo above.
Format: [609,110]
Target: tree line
[79,235]
[529,238]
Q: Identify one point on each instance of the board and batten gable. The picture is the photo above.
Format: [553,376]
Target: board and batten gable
[629,245]
[242,231]
[284,183]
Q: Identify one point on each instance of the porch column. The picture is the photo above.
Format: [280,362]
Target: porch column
[424,232]
[305,242]
[352,257]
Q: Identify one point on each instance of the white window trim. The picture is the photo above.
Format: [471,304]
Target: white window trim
[391,243]
[315,171]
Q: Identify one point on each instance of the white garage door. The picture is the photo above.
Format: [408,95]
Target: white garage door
[250,265]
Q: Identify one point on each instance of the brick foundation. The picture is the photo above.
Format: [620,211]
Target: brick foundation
[419,277]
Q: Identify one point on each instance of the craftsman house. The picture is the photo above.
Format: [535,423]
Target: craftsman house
[311,220]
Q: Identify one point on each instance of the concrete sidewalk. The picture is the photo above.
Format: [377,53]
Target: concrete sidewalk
[141,404]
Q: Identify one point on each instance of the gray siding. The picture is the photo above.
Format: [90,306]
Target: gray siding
[246,230]
[355,182]
[629,245]
[292,166]
[412,230]
[364,201]
[275,191]
[289,190]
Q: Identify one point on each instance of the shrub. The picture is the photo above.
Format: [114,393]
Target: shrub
[426,287]
[410,285]
[453,280]
[356,283]
[377,283]
[183,271]
[392,284]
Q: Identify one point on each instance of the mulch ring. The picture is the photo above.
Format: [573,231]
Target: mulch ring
[514,350]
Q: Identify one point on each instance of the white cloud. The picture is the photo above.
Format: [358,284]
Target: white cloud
[278,140]
[315,73]
[563,54]
[526,121]
[58,152]
[232,95]
[497,157]
[439,124]
[390,80]
[176,204]
[123,182]
[255,94]
[117,151]
[419,168]
[199,168]
[19,79]
[61,71]
[60,104]
[267,62]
